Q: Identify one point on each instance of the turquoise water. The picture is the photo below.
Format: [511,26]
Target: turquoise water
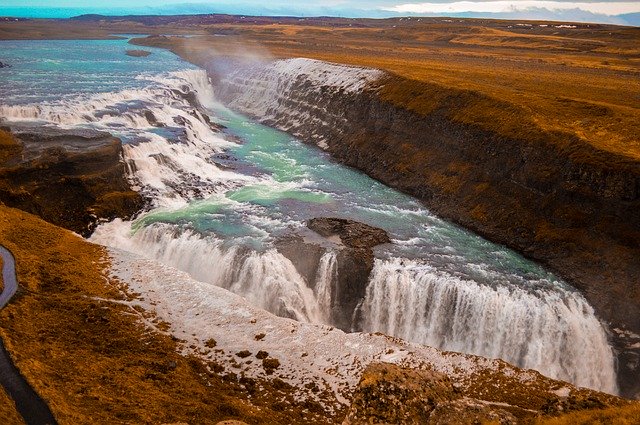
[50,70]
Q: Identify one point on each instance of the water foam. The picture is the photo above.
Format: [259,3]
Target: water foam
[266,279]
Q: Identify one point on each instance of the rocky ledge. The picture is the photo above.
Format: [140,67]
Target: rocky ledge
[138,53]
[353,243]
[72,179]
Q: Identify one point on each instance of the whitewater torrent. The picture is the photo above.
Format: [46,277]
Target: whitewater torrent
[217,223]
[552,331]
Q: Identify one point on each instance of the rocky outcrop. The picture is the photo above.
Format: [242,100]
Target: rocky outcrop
[72,179]
[138,53]
[353,242]
[549,195]
[391,394]
[354,263]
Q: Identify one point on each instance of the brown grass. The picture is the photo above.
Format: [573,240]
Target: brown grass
[8,146]
[8,412]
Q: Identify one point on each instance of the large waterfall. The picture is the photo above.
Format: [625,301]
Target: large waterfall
[552,330]
[220,200]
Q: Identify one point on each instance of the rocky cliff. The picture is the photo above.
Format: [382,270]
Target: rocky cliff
[71,179]
[544,193]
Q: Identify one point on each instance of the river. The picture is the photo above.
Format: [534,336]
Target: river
[222,195]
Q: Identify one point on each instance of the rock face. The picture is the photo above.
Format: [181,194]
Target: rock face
[353,242]
[354,261]
[391,394]
[71,179]
[548,195]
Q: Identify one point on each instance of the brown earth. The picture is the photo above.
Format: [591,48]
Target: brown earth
[71,180]
[8,411]
[628,415]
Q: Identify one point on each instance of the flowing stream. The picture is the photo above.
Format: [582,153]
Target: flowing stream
[221,199]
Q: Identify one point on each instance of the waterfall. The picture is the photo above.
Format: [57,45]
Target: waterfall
[266,279]
[326,278]
[553,331]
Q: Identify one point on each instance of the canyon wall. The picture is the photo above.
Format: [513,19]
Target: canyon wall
[546,194]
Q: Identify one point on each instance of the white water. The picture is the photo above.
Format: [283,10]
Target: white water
[169,173]
[552,331]
[266,279]
[326,278]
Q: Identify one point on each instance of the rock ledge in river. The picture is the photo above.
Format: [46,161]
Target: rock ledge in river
[138,53]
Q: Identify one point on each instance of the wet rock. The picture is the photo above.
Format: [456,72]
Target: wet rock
[138,53]
[354,244]
[354,262]
[72,179]
[4,65]
[152,119]
[350,233]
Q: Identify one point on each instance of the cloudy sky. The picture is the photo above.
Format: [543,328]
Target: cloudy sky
[611,11]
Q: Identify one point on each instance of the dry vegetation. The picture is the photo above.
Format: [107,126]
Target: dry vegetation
[8,412]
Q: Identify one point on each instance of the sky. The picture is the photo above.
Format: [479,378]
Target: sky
[604,11]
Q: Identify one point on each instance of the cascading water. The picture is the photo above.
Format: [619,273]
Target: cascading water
[220,204]
[550,329]
[326,277]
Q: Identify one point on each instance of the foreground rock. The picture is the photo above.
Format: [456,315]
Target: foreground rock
[71,179]
[392,394]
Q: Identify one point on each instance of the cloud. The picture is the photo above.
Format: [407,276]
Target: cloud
[505,6]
